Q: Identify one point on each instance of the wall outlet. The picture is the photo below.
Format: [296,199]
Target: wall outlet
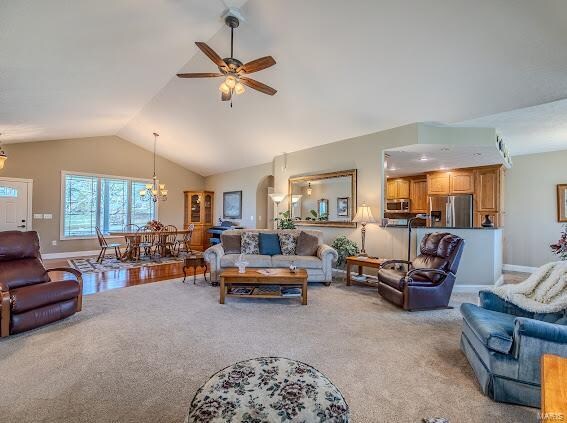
[38,216]
[54,242]
[47,216]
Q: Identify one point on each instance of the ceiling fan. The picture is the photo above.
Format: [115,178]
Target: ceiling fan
[233,69]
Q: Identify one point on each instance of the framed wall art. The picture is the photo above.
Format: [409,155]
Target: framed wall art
[232,205]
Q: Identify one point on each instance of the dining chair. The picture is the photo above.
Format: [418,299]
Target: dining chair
[167,240]
[103,243]
[184,244]
[147,241]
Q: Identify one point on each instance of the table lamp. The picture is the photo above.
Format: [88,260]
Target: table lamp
[363,216]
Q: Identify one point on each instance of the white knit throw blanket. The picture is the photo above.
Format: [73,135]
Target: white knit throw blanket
[545,291]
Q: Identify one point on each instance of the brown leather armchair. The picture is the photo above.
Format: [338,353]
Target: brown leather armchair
[29,298]
[429,279]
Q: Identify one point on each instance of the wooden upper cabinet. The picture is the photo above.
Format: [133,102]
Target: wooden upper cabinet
[438,183]
[397,189]
[461,182]
[403,188]
[487,189]
[418,196]
[391,189]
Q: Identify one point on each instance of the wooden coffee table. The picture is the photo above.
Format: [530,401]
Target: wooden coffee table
[251,277]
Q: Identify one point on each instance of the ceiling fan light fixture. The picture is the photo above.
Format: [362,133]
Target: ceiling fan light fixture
[230,81]
[239,88]
[224,88]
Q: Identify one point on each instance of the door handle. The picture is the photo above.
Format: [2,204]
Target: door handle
[22,226]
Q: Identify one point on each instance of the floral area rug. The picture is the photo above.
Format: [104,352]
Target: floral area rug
[268,389]
[109,263]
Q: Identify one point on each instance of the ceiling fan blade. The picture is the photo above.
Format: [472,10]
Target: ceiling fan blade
[257,65]
[199,75]
[226,97]
[258,86]
[211,54]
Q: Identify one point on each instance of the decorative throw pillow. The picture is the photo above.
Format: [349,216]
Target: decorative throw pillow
[288,242]
[306,244]
[269,244]
[249,243]
[231,243]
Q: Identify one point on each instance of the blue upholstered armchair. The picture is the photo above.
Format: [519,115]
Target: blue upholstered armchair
[504,345]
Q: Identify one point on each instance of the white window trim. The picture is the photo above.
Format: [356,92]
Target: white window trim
[29,214]
[64,173]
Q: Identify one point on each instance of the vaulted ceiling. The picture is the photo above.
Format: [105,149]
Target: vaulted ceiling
[345,68]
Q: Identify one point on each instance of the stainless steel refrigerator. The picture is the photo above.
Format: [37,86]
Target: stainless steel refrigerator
[451,211]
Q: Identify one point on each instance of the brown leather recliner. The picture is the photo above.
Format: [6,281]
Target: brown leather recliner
[29,298]
[428,282]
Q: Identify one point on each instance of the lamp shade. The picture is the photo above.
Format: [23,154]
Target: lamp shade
[277,197]
[364,215]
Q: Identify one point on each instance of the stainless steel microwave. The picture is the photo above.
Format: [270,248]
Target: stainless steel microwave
[400,205]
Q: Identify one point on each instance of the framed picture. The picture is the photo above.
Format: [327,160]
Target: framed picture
[342,206]
[562,202]
[232,205]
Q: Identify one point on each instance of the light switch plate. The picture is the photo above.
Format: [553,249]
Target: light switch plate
[47,216]
[38,216]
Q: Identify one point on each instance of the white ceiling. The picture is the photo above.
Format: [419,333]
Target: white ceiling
[344,69]
[421,158]
[529,130]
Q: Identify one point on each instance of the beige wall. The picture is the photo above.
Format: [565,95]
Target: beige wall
[365,154]
[530,223]
[253,182]
[44,161]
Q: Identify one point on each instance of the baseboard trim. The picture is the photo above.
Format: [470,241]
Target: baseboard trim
[518,268]
[70,254]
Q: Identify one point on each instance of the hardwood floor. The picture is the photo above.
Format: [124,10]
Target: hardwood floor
[104,281]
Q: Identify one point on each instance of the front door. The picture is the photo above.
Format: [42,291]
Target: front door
[14,205]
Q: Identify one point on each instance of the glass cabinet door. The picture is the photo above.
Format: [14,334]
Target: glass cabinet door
[195,208]
[208,208]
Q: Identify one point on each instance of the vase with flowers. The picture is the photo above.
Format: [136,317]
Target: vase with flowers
[155,225]
[560,247]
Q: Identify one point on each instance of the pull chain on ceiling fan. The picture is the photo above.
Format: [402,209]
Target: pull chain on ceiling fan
[233,69]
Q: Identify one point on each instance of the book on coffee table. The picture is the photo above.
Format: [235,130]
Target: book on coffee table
[291,292]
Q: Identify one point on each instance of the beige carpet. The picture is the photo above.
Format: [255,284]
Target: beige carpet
[139,354]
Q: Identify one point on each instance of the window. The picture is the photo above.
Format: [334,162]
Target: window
[105,201]
[8,192]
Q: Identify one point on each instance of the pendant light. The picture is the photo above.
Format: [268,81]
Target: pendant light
[154,191]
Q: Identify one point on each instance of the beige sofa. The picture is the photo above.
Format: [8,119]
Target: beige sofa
[319,267]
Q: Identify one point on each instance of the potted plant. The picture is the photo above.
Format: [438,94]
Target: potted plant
[560,247]
[345,248]
[285,221]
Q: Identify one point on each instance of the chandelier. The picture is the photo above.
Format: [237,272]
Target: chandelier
[154,191]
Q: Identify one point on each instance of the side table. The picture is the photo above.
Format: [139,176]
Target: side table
[194,261]
[361,262]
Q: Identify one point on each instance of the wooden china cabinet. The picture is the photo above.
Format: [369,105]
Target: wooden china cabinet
[199,207]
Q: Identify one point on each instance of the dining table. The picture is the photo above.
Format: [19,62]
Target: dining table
[133,241]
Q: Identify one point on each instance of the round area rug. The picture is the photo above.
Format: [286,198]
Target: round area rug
[268,389]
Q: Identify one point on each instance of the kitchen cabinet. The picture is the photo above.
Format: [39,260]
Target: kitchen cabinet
[487,189]
[418,196]
[199,206]
[461,182]
[438,183]
[397,189]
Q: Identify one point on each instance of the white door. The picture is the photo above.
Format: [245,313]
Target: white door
[14,207]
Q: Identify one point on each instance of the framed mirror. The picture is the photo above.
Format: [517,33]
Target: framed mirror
[325,199]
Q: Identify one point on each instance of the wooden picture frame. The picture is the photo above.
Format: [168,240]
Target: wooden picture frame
[232,205]
[562,202]
[343,206]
